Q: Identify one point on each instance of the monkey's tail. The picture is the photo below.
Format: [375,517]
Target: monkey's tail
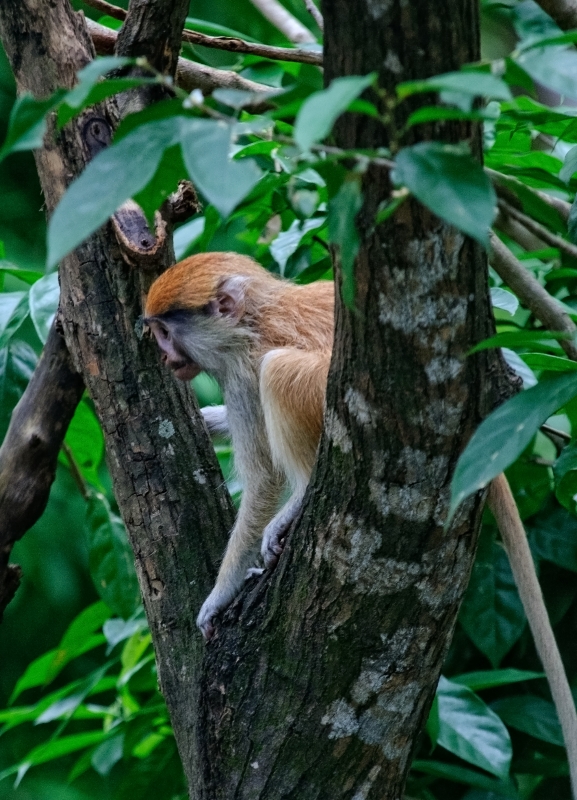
[502,504]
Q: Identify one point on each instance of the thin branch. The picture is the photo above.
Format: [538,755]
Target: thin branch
[29,453]
[531,293]
[229,43]
[539,230]
[235,45]
[315,13]
[283,21]
[502,184]
[189,74]
[107,8]
[555,432]
[563,12]
[518,233]
[75,471]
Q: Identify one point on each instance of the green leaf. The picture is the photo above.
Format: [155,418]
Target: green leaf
[469,729]
[206,146]
[492,614]
[458,774]
[449,183]
[518,339]
[44,297]
[320,110]
[565,472]
[476,84]
[518,365]
[163,183]
[111,559]
[530,714]
[117,173]
[54,749]
[533,204]
[27,124]
[29,276]
[17,363]
[108,754]
[501,298]
[505,433]
[553,537]
[287,242]
[436,113]
[86,441]
[343,208]
[118,630]
[14,309]
[387,208]
[569,165]
[489,678]
[549,363]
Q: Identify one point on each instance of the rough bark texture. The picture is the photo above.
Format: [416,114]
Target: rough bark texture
[317,685]
[30,450]
[155,456]
[321,675]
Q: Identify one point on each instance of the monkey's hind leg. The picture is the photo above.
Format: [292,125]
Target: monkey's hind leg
[292,390]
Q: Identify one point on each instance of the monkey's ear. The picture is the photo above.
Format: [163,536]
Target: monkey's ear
[229,299]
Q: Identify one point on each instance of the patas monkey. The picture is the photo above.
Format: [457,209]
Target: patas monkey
[268,344]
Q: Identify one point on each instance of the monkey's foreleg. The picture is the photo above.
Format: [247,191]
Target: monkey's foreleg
[504,508]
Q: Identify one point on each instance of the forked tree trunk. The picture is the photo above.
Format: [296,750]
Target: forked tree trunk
[321,687]
[320,677]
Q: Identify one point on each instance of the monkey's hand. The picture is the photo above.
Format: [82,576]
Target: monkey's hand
[274,534]
[216,420]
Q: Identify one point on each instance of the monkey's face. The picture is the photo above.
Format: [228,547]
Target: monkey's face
[172,355]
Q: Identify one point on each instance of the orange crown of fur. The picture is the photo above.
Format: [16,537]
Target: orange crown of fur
[192,283]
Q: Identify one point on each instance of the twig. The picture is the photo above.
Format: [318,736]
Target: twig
[283,21]
[107,8]
[531,293]
[539,230]
[502,184]
[315,13]
[189,74]
[75,471]
[518,232]
[235,45]
[551,431]
[229,43]
[563,12]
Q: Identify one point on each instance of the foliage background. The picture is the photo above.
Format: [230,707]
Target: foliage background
[99,719]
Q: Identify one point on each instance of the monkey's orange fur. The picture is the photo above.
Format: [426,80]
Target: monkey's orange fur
[268,342]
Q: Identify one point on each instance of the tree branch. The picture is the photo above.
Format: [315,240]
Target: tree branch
[501,183]
[166,477]
[531,293]
[315,13]
[283,20]
[563,12]
[229,43]
[29,453]
[539,230]
[189,74]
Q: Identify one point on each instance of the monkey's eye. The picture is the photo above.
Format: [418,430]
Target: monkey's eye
[162,332]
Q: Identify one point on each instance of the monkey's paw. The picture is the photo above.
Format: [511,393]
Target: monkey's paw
[212,606]
[273,540]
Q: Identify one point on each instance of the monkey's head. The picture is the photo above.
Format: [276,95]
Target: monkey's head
[195,311]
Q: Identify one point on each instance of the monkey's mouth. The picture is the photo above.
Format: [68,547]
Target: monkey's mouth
[185,370]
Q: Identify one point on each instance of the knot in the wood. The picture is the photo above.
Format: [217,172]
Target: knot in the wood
[96,134]
[139,245]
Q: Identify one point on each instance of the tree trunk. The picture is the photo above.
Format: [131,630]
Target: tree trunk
[320,682]
[321,675]
[166,478]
